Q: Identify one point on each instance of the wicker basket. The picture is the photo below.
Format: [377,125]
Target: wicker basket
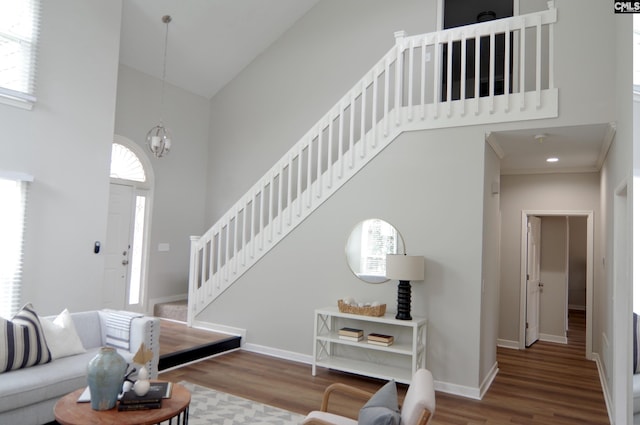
[377,311]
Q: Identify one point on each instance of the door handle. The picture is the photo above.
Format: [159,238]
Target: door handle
[125,262]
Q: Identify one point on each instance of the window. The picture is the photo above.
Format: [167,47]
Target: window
[13,194]
[19,29]
[125,164]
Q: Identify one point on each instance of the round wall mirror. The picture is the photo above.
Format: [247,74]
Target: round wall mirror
[367,247]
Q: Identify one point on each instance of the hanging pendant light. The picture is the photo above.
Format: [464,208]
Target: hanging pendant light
[159,137]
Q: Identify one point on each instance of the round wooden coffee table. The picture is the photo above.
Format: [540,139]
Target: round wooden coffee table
[175,410]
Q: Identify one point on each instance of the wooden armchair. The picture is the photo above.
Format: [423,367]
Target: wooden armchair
[417,409]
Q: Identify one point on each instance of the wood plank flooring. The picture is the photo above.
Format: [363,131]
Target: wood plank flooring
[545,384]
[176,336]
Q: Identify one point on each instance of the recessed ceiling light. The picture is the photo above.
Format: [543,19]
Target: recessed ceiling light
[552,159]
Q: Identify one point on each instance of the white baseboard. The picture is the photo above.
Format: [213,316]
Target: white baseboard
[446,387]
[455,389]
[276,352]
[488,380]
[460,390]
[505,343]
[558,339]
[221,329]
[577,307]
[603,383]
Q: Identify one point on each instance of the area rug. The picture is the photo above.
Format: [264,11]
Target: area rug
[211,407]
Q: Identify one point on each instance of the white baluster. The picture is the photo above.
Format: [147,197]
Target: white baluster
[340,143]
[423,78]
[507,65]
[538,61]
[522,56]
[352,114]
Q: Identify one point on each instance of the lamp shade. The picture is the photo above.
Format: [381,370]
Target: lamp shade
[405,267]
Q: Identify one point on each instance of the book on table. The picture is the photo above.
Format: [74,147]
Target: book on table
[352,332]
[157,391]
[139,406]
[377,337]
[384,344]
[162,387]
[351,338]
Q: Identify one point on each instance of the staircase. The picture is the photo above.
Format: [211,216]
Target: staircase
[417,85]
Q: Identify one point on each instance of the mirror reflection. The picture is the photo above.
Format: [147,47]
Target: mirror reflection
[367,247]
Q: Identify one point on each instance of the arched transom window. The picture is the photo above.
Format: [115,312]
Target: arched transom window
[125,164]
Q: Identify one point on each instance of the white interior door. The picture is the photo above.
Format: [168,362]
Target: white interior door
[117,247]
[532,331]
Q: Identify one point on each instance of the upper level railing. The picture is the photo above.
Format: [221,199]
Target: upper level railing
[496,71]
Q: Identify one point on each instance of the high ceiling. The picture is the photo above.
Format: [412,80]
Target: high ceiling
[211,41]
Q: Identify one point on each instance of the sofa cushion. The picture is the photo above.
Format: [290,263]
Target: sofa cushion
[42,382]
[22,342]
[61,336]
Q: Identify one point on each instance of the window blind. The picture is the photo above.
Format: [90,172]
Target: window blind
[13,198]
[19,30]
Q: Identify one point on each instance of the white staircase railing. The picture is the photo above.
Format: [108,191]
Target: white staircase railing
[416,85]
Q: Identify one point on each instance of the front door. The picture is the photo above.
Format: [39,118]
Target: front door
[117,247]
[533,280]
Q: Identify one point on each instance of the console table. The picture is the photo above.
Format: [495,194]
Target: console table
[398,361]
[175,410]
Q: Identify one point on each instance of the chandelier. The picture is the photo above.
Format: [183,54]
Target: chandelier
[159,137]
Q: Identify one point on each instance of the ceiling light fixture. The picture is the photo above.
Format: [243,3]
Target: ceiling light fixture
[159,138]
[540,137]
[552,159]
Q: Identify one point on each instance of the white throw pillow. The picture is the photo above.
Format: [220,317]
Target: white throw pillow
[61,336]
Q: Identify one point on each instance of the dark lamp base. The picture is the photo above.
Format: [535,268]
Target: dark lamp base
[404,300]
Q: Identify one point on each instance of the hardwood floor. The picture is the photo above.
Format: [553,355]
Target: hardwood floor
[176,336]
[545,384]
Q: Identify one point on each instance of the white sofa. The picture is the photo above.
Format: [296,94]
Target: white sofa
[27,396]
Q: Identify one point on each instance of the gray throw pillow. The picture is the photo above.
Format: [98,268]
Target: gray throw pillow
[382,407]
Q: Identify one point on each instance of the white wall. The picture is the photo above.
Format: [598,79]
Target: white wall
[559,192]
[65,143]
[180,177]
[490,264]
[279,96]
[614,310]
[432,192]
[264,111]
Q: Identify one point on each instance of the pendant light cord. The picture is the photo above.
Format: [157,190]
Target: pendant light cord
[166,19]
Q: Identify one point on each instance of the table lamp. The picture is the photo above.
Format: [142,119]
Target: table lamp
[404,268]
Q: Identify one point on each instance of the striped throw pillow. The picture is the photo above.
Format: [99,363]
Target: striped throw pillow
[22,342]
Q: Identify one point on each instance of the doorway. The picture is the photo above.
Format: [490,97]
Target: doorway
[127,243]
[560,260]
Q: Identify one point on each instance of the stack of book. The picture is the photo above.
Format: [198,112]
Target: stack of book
[380,339]
[351,334]
[151,400]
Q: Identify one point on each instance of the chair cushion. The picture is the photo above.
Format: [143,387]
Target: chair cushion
[382,407]
[420,396]
[22,342]
[329,418]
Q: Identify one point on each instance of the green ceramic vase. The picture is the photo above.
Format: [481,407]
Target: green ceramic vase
[105,375]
